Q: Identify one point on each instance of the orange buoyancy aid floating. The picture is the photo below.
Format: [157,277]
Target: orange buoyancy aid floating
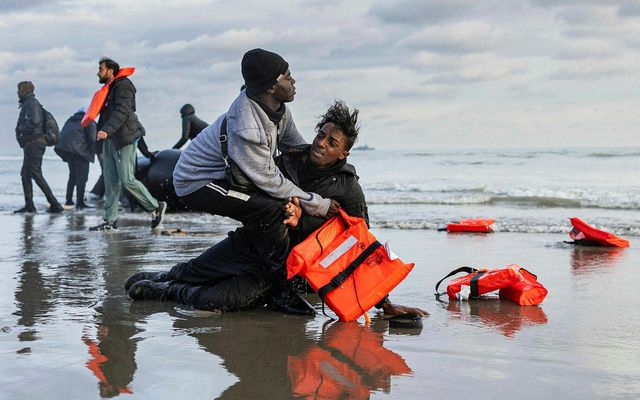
[514,283]
[584,233]
[471,225]
[100,96]
[345,264]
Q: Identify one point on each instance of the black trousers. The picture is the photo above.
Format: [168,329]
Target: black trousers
[78,175]
[261,215]
[32,169]
[226,277]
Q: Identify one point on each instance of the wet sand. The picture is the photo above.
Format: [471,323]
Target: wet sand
[68,331]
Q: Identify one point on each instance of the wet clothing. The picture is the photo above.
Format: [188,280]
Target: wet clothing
[77,147]
[191,125]
[118,118]
[30,136]
[227,276]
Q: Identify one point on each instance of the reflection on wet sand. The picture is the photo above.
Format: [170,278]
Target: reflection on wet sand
[589,258]
[33,295]
[277,357]
[505,316]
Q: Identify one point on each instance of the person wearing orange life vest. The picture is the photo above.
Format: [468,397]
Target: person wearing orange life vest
[120,130]
[321,167]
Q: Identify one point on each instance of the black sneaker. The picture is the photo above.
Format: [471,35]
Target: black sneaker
[68,205]
[55,209]
[149,290]
[158,215]
[141,276]
[25,209]
[105,226]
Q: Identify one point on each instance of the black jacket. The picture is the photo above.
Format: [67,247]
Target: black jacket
[342,186]
[191,126]
[118,114]
[76,141]
[30,122]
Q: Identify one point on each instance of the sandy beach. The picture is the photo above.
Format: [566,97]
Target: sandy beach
[66,323]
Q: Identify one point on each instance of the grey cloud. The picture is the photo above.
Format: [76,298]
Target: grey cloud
[13,5]
[629,10]
[419,11]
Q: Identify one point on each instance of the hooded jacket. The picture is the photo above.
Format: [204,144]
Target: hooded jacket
[76,141]
[118,114]
[29,127]
[341,185]
[253,141]
[191,125]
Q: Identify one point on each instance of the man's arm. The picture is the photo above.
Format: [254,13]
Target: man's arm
[186,130]
[290,137]
[257,163]
[30,120]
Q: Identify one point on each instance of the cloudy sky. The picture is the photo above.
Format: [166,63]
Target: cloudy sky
[424,73]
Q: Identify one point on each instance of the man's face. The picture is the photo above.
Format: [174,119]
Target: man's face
[329,146]
[104,75]
[284,90]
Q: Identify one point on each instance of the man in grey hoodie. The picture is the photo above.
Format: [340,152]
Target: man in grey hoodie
[250,134]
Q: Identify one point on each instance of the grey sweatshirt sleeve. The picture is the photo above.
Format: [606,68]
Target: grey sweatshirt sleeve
[290,136]
[256,161]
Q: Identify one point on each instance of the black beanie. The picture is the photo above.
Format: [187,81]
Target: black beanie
[261,69]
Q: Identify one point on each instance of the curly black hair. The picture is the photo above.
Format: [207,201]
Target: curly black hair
[344,119]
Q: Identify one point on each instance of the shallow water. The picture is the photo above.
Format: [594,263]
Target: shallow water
[67,330]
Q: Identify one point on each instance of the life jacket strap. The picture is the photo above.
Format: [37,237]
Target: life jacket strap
[466,269]
[342,276]
[474,285]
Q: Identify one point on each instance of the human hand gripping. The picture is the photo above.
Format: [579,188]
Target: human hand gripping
[101,135]
[292,212]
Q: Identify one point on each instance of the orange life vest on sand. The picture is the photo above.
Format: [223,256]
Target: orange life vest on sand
[584,233]
[514,282]
[471,225]
[349,362]
[100,96]
[345,264]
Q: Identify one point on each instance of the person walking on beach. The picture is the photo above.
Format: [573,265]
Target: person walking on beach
[229,168]
[77,147]
[30,136]
[191,125]
[120,130]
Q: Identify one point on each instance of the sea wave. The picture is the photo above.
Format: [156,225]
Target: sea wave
[624,230]
[613,154]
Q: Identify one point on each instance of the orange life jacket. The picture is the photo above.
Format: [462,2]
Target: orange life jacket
[471,225]
[345,264]
[514,282]
[585,233]
[95,365]
[100,96]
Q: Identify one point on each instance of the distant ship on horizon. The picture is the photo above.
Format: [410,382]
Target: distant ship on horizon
[364,147]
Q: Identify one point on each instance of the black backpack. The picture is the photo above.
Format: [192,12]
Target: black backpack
[50,128]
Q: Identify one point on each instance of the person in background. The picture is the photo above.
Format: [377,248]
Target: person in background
[120,129]
[191,125]
[30,136]
[77,147]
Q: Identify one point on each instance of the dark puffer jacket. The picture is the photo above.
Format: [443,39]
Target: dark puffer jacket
[76,141]
[342,186]
[191,125]
[118,115]
[29,127]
